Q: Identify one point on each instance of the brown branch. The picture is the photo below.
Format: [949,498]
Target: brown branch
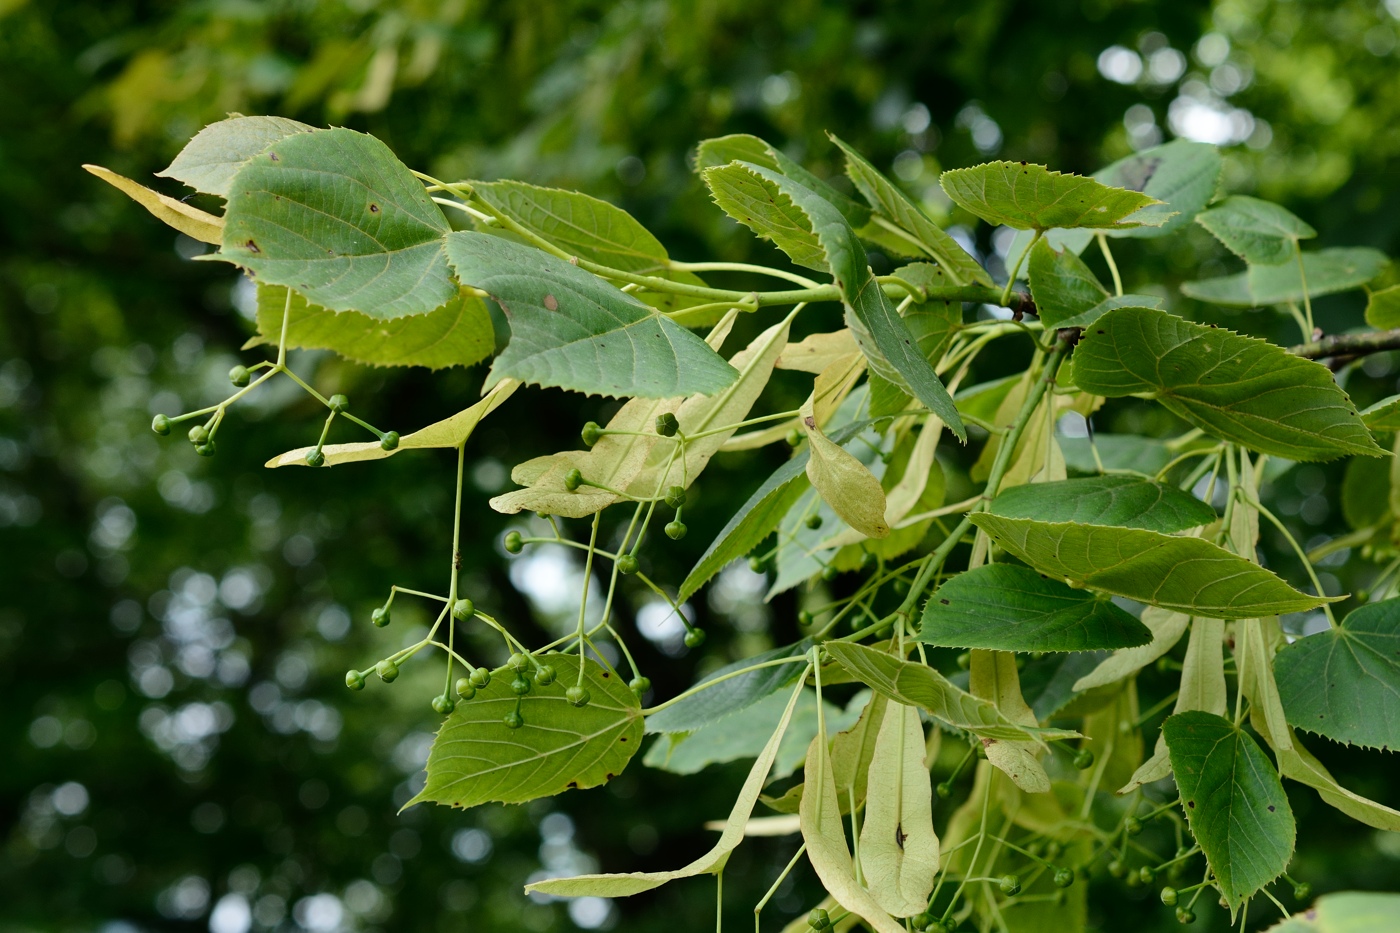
[1344,347]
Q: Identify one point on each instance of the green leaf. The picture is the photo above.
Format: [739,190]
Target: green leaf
[1384,416]
[1344,683]
[753,522]
[210,160]
[1259,232]
[572,330]
[1061,284]
[189,220]
[898,847]
[1031,197]
[1383,308]
[597,231]
[759,204]
[1185,574]
[1181,174]
[738,147]
[1238,388]
[457,334]
[742,735]
[1337,269]
[922,686]
[1068,294]
[1345,912]
[1167,628]
[1116,452]
[1233,801]
[1113,499]
[334,215]
[879,330]
[476,758]
[625,885]
[910,222]
[450,432]
[1010,608]
[825,837]
[733,694]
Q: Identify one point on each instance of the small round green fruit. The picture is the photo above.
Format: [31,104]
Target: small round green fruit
[315,457]
[514,720]
[694,638]
[1010,885]
[667,425]
[627,564]
[544,676]
[514,542]
[479,677]
[338,403]
[161,425]
[239,376]
[1084,759]
[465,688]
[573,480]
[463,609]
[444,704]
[1168,896]
[387,670]
[577,696]
[380,616]
[639,685]
[1063,878]
[675,496]
[390,440]
[354,680]
[675,530]
[591,433]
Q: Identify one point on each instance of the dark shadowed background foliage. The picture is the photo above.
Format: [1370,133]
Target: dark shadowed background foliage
[177,751]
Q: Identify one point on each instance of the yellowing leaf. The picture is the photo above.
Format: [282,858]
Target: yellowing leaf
[190,221]
[625,885]
[993,677]
[898,847]
[843,482]
[818,351]
[1167,628]
[825,836]
[450,432]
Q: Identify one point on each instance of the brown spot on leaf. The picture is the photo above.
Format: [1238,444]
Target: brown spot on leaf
[1271,808]
[606,675]
[374,208]
[252,246]
[1191,804]
[272,156]
[943,601]
[551,303]
[899,836]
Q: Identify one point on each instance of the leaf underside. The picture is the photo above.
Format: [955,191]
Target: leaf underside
[1125,501]
[476,758]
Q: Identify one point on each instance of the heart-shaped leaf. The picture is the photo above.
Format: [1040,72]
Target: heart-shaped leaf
[215,155]
[572,330]
[1031,197]
[1010,608]
[1233,800]
[1337,269]
[476,758]
[1238,388]
[1186,574]
[1112,499]
[1259,232]
[1344,683]
[334,215]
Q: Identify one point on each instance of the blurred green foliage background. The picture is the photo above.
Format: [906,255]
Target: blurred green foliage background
[178,750]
